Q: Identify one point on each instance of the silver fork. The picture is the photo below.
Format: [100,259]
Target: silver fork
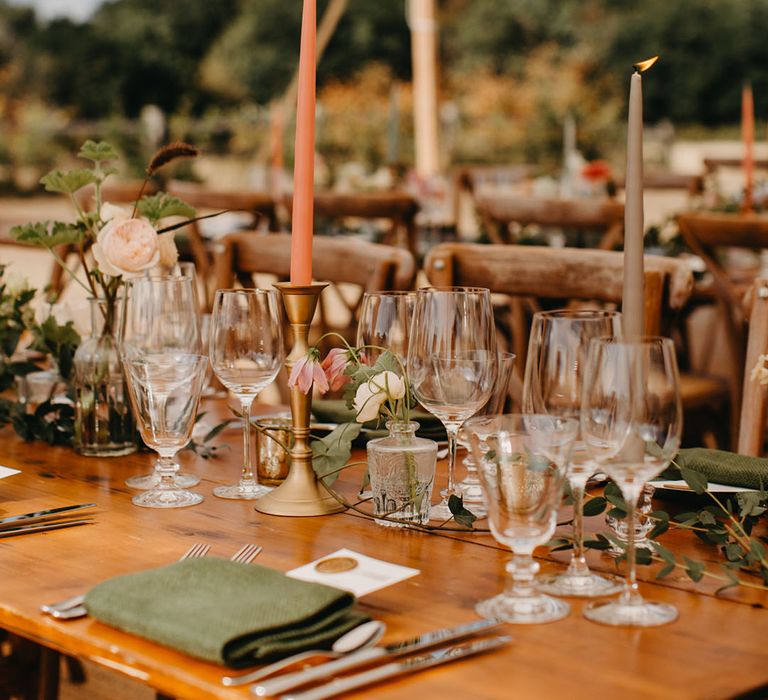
[246,554]
[73,607]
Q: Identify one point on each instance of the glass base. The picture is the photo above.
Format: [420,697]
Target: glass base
[110,450]
[167,498]
[472,494]
[523,611]
[441,512]
[580,586]
[247,492]
[150,481]
[642,614]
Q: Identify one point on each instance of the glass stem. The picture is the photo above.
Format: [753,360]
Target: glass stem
[522,569]
[245,405]
[631,594]
[166,467]
[452,431]
[578,565]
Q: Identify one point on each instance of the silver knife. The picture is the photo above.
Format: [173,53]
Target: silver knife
[399,668]
[28,517]
[42,527]
[289,681]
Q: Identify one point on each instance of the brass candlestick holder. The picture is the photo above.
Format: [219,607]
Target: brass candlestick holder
[300,494]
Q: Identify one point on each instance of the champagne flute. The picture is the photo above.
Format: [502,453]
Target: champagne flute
[452,362]
[246,353]
[159,316]
[631,422]
[521,461]
[165,391]
[554,374]
[385,322]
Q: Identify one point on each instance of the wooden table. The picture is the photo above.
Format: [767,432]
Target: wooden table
[716,649]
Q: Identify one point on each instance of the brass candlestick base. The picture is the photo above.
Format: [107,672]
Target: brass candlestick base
[300,494]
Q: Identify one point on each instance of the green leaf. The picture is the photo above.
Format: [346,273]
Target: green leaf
[663,552]
[733,580]
[68,182]
[695,480]
[601,543]
[662,524]
[333,451]
[48,235]
[617,502]
[616,513]
[733,552]
[665,570]
[643,556]
[594,506]
[97,151]
[559,544]
[159,206]
[213,432]
[460,514]
[694,569]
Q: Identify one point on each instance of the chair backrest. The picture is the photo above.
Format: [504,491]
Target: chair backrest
[753,400]
[400,208]
[498,212]
[559,274]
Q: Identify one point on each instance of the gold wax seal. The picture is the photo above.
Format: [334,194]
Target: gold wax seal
[335,565]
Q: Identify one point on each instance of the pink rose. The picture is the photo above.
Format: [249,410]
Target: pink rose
[126,247]
[306,372]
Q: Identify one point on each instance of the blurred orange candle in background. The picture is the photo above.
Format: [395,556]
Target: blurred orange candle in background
[748,137]
[304,159]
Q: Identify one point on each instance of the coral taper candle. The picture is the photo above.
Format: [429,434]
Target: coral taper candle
[633,298]
[304,158]
[748,136]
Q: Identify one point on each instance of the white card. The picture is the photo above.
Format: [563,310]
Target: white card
[369,575]
[681,485]
[7,471]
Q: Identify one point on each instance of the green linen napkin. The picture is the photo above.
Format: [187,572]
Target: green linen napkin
[722,467]
[223,611]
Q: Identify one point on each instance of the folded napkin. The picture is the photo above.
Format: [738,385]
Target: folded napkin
[223,611]
[722,467]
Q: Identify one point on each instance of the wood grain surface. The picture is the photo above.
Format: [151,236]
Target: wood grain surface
[716,648]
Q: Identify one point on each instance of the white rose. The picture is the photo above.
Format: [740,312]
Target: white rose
[391,384]
[112,211]
[169,253]
[368,400]
[126,247]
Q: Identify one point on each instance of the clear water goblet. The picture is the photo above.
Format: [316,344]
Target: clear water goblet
[631,423]
[554,375]
[385,322]
[165,391]
[246,352]
[521,461]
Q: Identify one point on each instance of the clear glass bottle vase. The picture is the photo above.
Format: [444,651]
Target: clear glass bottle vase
[104,424]
[401,467]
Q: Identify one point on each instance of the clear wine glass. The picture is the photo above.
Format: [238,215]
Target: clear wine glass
[470,487]
[160,315]
[452,362]
[165,391]
[631,422]
[521,460]
[554,374]
[246,353]
[385,322]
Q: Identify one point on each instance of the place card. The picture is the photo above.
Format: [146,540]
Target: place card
[681,485]
[353,572]
[7,471]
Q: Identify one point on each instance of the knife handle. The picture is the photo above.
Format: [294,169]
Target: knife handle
[289,681]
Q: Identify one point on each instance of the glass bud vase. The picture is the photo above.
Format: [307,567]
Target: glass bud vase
[402,472]
[104,424]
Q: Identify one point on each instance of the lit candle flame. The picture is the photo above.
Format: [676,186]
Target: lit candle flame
[645,65]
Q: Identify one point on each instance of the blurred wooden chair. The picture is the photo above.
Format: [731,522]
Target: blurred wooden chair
[691,185]
[533,274]
[399,208]
[604,215]
[708,235]
[341,261]
[753,401]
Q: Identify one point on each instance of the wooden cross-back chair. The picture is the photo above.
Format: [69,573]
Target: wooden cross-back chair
[707,235]
[753,402]
[532,275]
[339,260]
[498,212]
[400,208]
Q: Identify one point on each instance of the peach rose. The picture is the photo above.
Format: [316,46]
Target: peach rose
[169,253]
[126,247]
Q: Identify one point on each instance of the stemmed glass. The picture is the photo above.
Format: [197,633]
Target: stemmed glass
[246,353]
[452,362]
[165,392]
[521,461]
[631,422]
[385,322]
[470,487]
[160,316]
[554,374]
